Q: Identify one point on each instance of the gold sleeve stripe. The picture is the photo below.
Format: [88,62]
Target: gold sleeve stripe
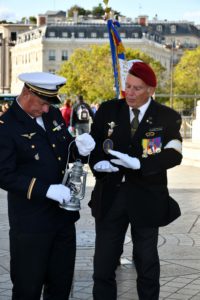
[31,188]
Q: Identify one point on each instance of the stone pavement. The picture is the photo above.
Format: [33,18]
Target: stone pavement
[179,246]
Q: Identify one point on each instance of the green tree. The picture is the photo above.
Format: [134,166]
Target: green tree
[81,11]
[89,72]
[98,11]
[186,77]
[33,20]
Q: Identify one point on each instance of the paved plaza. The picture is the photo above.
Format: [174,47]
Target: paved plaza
[179,246]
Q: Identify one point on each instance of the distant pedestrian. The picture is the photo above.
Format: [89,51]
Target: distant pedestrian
[80,117]
[66,110]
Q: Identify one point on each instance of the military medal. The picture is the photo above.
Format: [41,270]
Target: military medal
[151,146]
[108,143]
[144,146]
[112,126]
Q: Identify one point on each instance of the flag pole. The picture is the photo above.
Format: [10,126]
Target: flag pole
[116,47]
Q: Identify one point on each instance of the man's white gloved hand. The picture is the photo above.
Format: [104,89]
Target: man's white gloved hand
[85,144]
[105,166]
[125,160]
[59,192]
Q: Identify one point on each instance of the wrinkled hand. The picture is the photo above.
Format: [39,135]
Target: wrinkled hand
[105,166]
[85,144]
[125,160]
[59,192]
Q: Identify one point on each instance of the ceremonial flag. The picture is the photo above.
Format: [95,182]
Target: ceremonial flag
[117,52]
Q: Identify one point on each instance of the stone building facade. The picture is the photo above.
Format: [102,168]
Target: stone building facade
[46,46]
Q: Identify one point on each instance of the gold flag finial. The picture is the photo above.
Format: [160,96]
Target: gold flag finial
[107,10]
[105,2]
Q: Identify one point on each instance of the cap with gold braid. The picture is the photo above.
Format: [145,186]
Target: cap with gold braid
[45,85]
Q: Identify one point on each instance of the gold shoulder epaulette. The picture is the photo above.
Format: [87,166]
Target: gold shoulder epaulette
[1,122]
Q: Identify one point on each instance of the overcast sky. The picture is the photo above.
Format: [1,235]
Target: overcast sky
[171,10]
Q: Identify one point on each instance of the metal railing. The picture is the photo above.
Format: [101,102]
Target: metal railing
[186,127]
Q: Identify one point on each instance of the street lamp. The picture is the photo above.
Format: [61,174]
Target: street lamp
[171,74]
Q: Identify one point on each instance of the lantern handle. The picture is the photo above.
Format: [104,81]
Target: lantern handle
[67,163]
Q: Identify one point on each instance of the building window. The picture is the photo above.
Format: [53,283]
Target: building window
[13,36]
[52,71]
[173,28]
[52,55]
[135,35]
[105,35]
[52,34]
[159,28]
[123,34]
[64,55]
[64,34]
[81,34]
[93,34]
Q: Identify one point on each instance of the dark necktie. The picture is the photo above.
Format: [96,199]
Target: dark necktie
[135,121]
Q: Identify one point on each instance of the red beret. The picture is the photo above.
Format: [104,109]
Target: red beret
[144,72]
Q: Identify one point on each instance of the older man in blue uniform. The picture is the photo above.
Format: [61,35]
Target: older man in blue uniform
[137,140]
[33,154]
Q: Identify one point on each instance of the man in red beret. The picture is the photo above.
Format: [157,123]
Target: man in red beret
[137,140]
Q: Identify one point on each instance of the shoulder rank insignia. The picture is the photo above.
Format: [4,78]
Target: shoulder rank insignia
[28,135]
[57,127]
[1,122]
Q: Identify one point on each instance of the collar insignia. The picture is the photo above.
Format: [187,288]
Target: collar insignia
[149,120]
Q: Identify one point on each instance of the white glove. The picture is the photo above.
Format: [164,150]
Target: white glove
[85,144]
[59,192]
[105,166]
[125,160]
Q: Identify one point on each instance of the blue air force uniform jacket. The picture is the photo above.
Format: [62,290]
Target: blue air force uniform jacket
[149,202]
[31,159]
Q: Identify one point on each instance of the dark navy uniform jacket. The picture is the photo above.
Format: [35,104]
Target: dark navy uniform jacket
[31,159]
[149,202]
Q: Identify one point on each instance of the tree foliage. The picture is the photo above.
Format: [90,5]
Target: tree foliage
[5,22]
[81,11]
[186,77]
[89,72]
[187,73]
[31,20]
[97,11]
